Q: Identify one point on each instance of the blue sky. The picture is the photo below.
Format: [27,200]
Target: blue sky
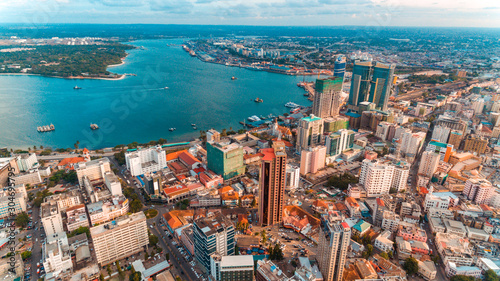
[466,13]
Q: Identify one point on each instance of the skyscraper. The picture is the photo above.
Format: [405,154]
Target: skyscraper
[211,234]
[372,82]
[309,132]
[225,159]
[339,141]
[339,66]
[272,184]
[334,240]
[327,99]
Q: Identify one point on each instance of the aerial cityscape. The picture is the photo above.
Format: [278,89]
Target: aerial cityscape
[249,141]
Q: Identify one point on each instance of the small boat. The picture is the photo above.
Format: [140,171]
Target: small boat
[257,100]
[76,88]
[253,118]
[171,129]
[194,128]
[94,127]
[233,78]
[166,88]
[291,104]
[193,124]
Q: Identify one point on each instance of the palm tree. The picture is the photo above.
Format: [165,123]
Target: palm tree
[41,146]
[34,147]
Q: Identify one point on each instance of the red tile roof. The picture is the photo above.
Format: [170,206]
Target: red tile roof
[175,155]
[188,158]
[70,162]
[268,154]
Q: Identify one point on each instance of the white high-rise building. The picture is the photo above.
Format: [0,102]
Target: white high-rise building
[312,159]
[479,191]
[309,132]
[94,170]
[428,163]
[51,218]
[382,130]
[26,161]
[411,142]
[292,176]
[56,256]
[400,177]
[145,161]
[440,133]
[376,177]
[120,238]
[334,241]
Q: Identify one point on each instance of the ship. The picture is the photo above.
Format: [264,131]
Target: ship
[76,88]
[258,100]
[94,126]
[171,129]
[253,118]
[194,128]
[233,78]
[165,88]
[193,124]
[46,128]
[291,104]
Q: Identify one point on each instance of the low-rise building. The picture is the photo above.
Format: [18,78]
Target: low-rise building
[231,268]
[427,270]
[453,248]
[383,242]
[453,269]
[76,217]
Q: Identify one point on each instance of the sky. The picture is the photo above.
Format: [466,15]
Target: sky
[458,13]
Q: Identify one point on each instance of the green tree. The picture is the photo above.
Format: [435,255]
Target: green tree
[254,202]
[108,268]
[490,275]
[384,255]
[167,256]
[22,219]
[410,266]
[101,277]
[136,276]
[462,278]
[26,255]
[146,255]
[135,206]
[80,230]
[153,240]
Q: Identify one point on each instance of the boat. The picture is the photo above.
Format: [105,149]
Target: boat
[193,124]
[171,129]
[76,88]
[46,128]
[253,118]
[291,104]
[94,126]
[258,100]
[194,128]
[166,88]
[262,117]
[233,78]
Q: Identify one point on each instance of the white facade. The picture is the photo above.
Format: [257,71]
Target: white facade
[411,142]
[440,200]
[479,191]
[376,177]
[292,176]
[145,161]
[51,218]
[94,170]
[26,161]
[383,243]
[56,256]
[428,163]
[440,133]
[30,177]
[8,206]
[400,177]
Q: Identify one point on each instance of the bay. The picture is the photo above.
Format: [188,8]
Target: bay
[139,108]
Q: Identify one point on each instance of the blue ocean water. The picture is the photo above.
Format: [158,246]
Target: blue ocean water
[139,108]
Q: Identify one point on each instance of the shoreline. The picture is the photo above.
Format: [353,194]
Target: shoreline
[119,76]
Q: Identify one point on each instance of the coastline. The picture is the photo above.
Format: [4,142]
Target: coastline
[119,76]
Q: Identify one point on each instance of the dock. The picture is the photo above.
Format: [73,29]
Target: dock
[47,128]
[309,88]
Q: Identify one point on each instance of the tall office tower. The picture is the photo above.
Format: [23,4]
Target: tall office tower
[428,163]
[412,142]
[309,132]
[147,160]
[328,99]
[440,133]
[376,177]
[225,159]
[312,160]
[334,240]
[211,234]
[339,141]
[381,85]
[339,66]
[371,82]
[272,177]
[123,237]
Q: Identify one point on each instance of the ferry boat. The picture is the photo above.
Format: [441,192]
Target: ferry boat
[258,100]
[233,78]
[94,126]
[253,118]
[48,128]
[291,104]
[76,88]
[165,88]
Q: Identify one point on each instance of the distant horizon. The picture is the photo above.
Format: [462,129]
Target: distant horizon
[373,13]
